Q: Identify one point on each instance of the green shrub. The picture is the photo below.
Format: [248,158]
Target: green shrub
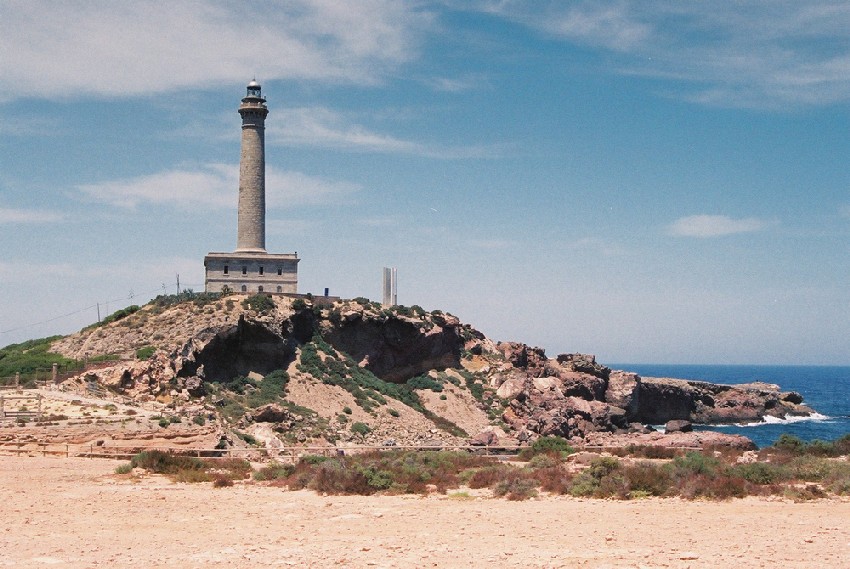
[810,468]
[27,358]
[199,420]
[360,428]
[161,462]
[312,459]
[424,382]
[695,463]
[761,473]
[589,481]
[299,304]
[124,468]
[270,389]
[347,410]
[789,443]
[516,489]
[222,481]
[260,302]
[248,438]
[646,479]
[145,353]
[190,476]
[546,460]
[238,384]
[119,315]
[548,445]
[274,471]
[393,412]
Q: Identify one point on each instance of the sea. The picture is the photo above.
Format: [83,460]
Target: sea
[826,389]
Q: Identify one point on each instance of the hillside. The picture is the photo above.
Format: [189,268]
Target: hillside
[277,371]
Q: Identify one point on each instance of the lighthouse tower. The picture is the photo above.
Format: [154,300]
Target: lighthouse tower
[250,268]
[251,232]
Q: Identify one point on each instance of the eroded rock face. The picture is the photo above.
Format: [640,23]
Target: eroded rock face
[624,392]
[665,399]
[271,413]
[572,396]
[678,426]
[397,348]
[239,350]
[154,376]
[563,397]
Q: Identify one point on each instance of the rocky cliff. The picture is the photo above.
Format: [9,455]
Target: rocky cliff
[356,372]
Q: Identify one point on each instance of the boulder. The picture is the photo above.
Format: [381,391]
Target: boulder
[581,384]
[512,387]
[531,360]
[585,363]
[678,426]
[485,438]
[623,391]
[271,413]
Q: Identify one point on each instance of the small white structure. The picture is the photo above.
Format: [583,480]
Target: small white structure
[390,287]
[250,268]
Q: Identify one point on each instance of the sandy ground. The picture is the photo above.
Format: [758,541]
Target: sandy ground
[76,513]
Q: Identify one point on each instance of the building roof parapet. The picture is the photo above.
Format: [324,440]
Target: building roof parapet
[254,256]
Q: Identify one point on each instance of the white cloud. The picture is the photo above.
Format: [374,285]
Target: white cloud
[214,186]
[129,48]
[11,216]
[319,126]
[323,127]
[287,189]
[704,226]
[457,84]
[599,24]
[746,54]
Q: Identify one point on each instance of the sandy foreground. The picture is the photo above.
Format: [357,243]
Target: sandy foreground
[58,512]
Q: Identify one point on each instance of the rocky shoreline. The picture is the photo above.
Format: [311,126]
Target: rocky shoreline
[491,392]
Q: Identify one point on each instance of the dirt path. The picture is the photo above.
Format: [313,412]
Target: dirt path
[75,513]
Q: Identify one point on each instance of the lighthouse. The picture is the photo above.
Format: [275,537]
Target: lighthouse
[250,268]
[251,231]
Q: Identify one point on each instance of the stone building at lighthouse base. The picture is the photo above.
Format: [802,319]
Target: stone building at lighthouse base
[250,269]
[252,272]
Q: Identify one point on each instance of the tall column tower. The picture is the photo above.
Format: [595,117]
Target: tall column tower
[251,232]
[250,268]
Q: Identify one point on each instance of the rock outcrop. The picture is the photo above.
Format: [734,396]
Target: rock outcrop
[516,385]
[573,395]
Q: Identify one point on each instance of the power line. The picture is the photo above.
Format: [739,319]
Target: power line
[90,307]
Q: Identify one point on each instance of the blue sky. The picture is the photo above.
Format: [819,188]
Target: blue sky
[662,182]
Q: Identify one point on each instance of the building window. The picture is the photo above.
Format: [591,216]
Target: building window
[279,289]
[260,289]
[261,270]
[244,288]
[225,269]
[279,271]
[244,270]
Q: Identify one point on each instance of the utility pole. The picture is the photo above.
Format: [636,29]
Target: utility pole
[98,312]
[178,283]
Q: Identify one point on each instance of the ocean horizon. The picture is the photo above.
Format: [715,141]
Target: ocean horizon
[826,389]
